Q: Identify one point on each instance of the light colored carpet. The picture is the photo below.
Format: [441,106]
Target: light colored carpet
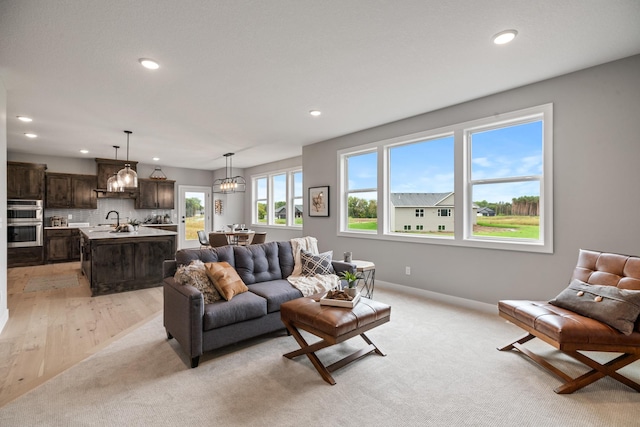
[442,368]
[50,283]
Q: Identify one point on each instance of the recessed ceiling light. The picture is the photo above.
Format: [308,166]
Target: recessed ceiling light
[30,135]
[84,151]
[25,119]
[149,63]
[155,159]
[504,37]
[315,113]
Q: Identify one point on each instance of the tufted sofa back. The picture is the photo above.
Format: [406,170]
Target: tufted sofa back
[254,263]
[603,268]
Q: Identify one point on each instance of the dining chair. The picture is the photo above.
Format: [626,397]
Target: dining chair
[202,237]
[217,239]
[259,237]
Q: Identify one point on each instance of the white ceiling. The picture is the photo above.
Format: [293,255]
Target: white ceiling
[241,76]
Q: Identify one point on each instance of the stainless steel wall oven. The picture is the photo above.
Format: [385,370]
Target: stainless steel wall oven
[24,223]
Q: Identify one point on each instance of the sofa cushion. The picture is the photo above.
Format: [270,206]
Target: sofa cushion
[223,253]
[316,264]
[225,279]
[618,308]
[242,307]
[258,263]
[275,292]
[195,274]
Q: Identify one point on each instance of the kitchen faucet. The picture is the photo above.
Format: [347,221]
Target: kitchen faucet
[117,217]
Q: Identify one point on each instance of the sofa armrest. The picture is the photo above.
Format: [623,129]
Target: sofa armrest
[183,316]
[169,267]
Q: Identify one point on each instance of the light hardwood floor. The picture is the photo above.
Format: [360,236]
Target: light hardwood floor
[50,331]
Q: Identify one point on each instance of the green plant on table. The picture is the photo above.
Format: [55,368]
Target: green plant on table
[351,278]
[134,222]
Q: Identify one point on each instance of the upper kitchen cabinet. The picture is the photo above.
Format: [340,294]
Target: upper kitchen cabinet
[70,191]
[25,180]
[155,194]
[108,167]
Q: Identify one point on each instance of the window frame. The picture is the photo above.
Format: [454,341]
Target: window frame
[463,205]
[270,201]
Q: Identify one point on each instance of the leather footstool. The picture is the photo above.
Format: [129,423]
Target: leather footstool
[333,325]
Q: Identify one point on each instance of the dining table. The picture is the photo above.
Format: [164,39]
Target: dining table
[240,237]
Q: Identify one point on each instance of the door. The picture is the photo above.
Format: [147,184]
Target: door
[194,213]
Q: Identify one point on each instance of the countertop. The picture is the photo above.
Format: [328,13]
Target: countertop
[156,225]
[102,233]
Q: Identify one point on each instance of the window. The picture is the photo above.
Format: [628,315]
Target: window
[279,206]
[260,205]
[278,199]
[361,192]
[445,177]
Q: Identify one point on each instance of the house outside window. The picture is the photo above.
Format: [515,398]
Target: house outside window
[277,199]
[501,165]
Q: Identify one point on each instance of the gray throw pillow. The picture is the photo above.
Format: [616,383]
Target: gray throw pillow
[316,264]
[618,308]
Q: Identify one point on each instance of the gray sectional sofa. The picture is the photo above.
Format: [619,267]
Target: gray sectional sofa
[200,327]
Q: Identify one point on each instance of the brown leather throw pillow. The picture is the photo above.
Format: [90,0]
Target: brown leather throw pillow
[618,308]
[225,279]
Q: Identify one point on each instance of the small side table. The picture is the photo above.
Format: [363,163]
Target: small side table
[367,272]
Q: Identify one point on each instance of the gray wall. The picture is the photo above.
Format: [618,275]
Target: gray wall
[596,197]
[4,313]
[274,233]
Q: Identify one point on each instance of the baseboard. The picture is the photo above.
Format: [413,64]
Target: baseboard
[448,299]
[4,318]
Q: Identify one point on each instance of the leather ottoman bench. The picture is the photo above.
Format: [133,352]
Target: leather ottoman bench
[333,325]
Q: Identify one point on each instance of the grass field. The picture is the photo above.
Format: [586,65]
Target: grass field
[522,227]
[192,225]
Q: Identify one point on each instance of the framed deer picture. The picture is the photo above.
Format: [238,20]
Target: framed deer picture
[319,201]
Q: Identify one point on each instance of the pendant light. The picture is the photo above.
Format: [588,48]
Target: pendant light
[112,182]
[127,177]
[230,184]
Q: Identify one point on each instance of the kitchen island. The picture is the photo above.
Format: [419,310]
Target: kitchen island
[124,261]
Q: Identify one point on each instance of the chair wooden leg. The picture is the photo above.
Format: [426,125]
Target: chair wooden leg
[599,371]
[521,340]
[571,384]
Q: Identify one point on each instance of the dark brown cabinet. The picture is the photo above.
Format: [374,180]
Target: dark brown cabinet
[108,167]
[71,191]
[62,245]
[25,180]
[155,194]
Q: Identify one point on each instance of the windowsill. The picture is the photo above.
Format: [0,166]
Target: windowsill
[519,246]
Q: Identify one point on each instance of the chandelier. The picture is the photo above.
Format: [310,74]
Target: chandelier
[112,182]
[230,184]
[127,177]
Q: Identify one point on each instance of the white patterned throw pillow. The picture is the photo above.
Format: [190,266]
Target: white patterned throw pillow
[316,264]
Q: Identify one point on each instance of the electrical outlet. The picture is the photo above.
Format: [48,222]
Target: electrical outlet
[69,216]
[407,271]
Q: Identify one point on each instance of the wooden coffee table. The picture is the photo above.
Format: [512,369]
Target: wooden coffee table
[333,325]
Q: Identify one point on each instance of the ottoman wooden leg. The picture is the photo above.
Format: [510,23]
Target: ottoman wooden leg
[309,350]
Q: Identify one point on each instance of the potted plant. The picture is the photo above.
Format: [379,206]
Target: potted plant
[352,280]
[135,223]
